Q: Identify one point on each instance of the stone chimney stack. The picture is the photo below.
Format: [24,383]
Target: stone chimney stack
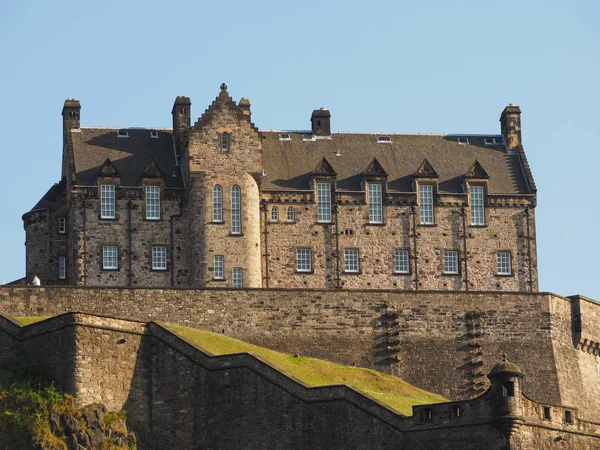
[181,122]
[70,113]
[321,122]
[510,124]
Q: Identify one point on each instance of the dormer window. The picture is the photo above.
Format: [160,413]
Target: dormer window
[154,134]
[123,133]
[308,137]
[494,141]
[285,137]
[225,142]
[463,140]
[384,140]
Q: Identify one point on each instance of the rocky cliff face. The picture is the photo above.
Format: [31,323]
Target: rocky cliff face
[91,427]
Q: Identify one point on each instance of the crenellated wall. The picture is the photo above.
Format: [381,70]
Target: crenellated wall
[441,342]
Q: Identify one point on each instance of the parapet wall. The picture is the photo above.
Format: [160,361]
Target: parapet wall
[442,342]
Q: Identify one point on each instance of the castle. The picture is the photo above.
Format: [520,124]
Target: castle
[414,255]
[223,204]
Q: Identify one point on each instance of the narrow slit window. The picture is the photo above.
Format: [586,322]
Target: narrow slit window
[225,138]
[375,203]
[217,204]
[218,267]
[477,206]
[62,225]
[236,217]
[62,267]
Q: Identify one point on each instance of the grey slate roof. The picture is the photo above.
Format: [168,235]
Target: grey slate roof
[288,163]
[130,156]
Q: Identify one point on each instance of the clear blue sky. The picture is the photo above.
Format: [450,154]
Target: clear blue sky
[395,66]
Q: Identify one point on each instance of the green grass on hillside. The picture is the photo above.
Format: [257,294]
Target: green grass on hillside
[30,320]
[391,391]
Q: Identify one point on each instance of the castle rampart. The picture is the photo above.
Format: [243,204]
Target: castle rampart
[439,342]
[177,395]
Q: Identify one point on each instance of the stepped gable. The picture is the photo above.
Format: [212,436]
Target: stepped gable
[476,171]
[130,156]
[286,166]
[223,99]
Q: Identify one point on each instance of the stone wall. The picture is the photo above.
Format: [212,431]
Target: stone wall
[505,230]
[177,396]
[416,336]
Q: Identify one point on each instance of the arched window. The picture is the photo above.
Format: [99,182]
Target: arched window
[290,214]
[274,214]
[236,213]
[224,142]
[217,204]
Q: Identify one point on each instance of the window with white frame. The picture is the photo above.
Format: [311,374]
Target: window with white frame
[477,207]
[401,259]
[303,260]
[217,204]
[426,204]
[504,266]
[375,203]
[218,267]
[238,281]
[62,267]
[107,201]
[451,262]
[153,202]
[291,215]
[274,214]
[159,258]
[236,213]
[351,264]
[110,257]
[324,202]
[224,142]
[62,225]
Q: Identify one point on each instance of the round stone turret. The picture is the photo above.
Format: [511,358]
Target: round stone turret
[506,395]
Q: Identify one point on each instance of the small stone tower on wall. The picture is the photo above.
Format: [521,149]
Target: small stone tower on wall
[225,167]
[507,399]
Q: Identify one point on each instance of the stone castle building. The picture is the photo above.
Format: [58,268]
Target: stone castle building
[221,203]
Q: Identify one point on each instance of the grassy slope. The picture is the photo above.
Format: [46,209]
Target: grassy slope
[389,390]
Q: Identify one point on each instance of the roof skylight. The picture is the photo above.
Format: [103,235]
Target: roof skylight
[154,134]
[384,140]
[123,134]
[285,137]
